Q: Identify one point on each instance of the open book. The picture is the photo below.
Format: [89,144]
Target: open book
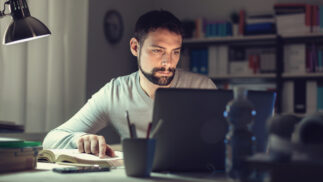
[74,156]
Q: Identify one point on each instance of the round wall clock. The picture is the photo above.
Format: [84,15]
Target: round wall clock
[113,26]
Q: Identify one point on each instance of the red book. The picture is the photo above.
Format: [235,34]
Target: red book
[242,16]
[289,5]
[308,15]
[315,18]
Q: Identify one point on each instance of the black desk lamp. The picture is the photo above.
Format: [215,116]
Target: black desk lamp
[24,27]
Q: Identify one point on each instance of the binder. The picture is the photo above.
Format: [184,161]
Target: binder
[300,96]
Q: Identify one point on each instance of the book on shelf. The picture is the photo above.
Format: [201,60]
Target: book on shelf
[199,29]
[307,99]
[300,96]
[217,28]
[199,61]
[298,18]
[295,58]
[287,102]
[302,58]
[253,86]
[248,61]
[311,96]
[242,21]
[260,18]
[73,156]
[217,61]
[260,24]
[320,97]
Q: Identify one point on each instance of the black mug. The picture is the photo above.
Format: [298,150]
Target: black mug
[138,156]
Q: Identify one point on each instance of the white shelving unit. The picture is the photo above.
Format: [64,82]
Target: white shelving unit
[302,75]
[229,39]
[276,41]
[258,75]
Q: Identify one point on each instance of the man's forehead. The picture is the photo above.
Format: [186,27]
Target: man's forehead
[163,37]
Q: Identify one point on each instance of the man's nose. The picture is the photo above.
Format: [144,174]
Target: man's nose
[167,59]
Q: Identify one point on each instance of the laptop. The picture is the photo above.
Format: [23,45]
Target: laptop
[192,128]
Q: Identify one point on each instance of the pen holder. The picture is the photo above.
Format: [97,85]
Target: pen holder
[138,156]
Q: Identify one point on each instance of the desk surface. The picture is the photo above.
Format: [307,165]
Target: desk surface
[44,172]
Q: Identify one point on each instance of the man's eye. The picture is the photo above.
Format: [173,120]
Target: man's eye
[177,52]
[157,50]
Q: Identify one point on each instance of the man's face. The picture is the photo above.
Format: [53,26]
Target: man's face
[158,56]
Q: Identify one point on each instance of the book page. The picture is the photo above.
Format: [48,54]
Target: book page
[85,156]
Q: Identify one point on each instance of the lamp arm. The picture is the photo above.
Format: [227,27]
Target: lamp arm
[2,13]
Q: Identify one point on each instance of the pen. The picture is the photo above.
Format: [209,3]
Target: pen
[129,125]
[134,131]
[148,130]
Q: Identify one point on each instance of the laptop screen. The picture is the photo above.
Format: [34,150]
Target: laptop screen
[192,129]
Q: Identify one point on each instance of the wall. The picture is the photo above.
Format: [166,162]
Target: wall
[220,9]
[106,61]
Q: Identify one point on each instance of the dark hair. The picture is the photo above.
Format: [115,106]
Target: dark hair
[155,19]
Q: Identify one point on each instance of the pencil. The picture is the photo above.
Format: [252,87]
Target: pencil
[148,130]
[129,124]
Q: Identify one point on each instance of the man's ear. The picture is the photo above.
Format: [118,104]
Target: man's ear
[134,46]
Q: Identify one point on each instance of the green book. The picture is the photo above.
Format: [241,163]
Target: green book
[17,143]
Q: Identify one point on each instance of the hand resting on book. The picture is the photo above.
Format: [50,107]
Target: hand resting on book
[94,144]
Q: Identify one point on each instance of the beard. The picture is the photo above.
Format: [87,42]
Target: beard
[159,80]
[153,78]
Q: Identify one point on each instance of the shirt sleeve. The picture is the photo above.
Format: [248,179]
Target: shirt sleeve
[210,84]
[91,118]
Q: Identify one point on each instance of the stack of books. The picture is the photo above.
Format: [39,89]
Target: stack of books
[18,155]
[294,18]
[303,58]
[211,28]
[260,24]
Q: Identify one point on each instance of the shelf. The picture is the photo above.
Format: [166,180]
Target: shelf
[302,75]
[295,114]
[302,35]
[258,38]
[262,39]
[302,38]
[251,76]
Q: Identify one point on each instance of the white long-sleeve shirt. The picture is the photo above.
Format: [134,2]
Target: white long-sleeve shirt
[109,105]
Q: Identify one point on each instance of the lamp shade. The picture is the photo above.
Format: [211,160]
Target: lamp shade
[24,27]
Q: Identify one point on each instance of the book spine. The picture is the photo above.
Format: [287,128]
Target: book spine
[212,61]
[194,61]
[223,60]
[320,97]
[319,57]
[308,16]
[204,62]
[289,5]
[311,96]
[308,60]
[241,22]
[300,96]
[287,97]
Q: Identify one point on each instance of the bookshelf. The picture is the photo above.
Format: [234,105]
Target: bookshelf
[279,77]
[247,76]
[257,39]
[288,76]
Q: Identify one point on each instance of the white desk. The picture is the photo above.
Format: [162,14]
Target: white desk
[43,173]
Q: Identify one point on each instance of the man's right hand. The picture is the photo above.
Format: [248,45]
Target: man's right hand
[94,144]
